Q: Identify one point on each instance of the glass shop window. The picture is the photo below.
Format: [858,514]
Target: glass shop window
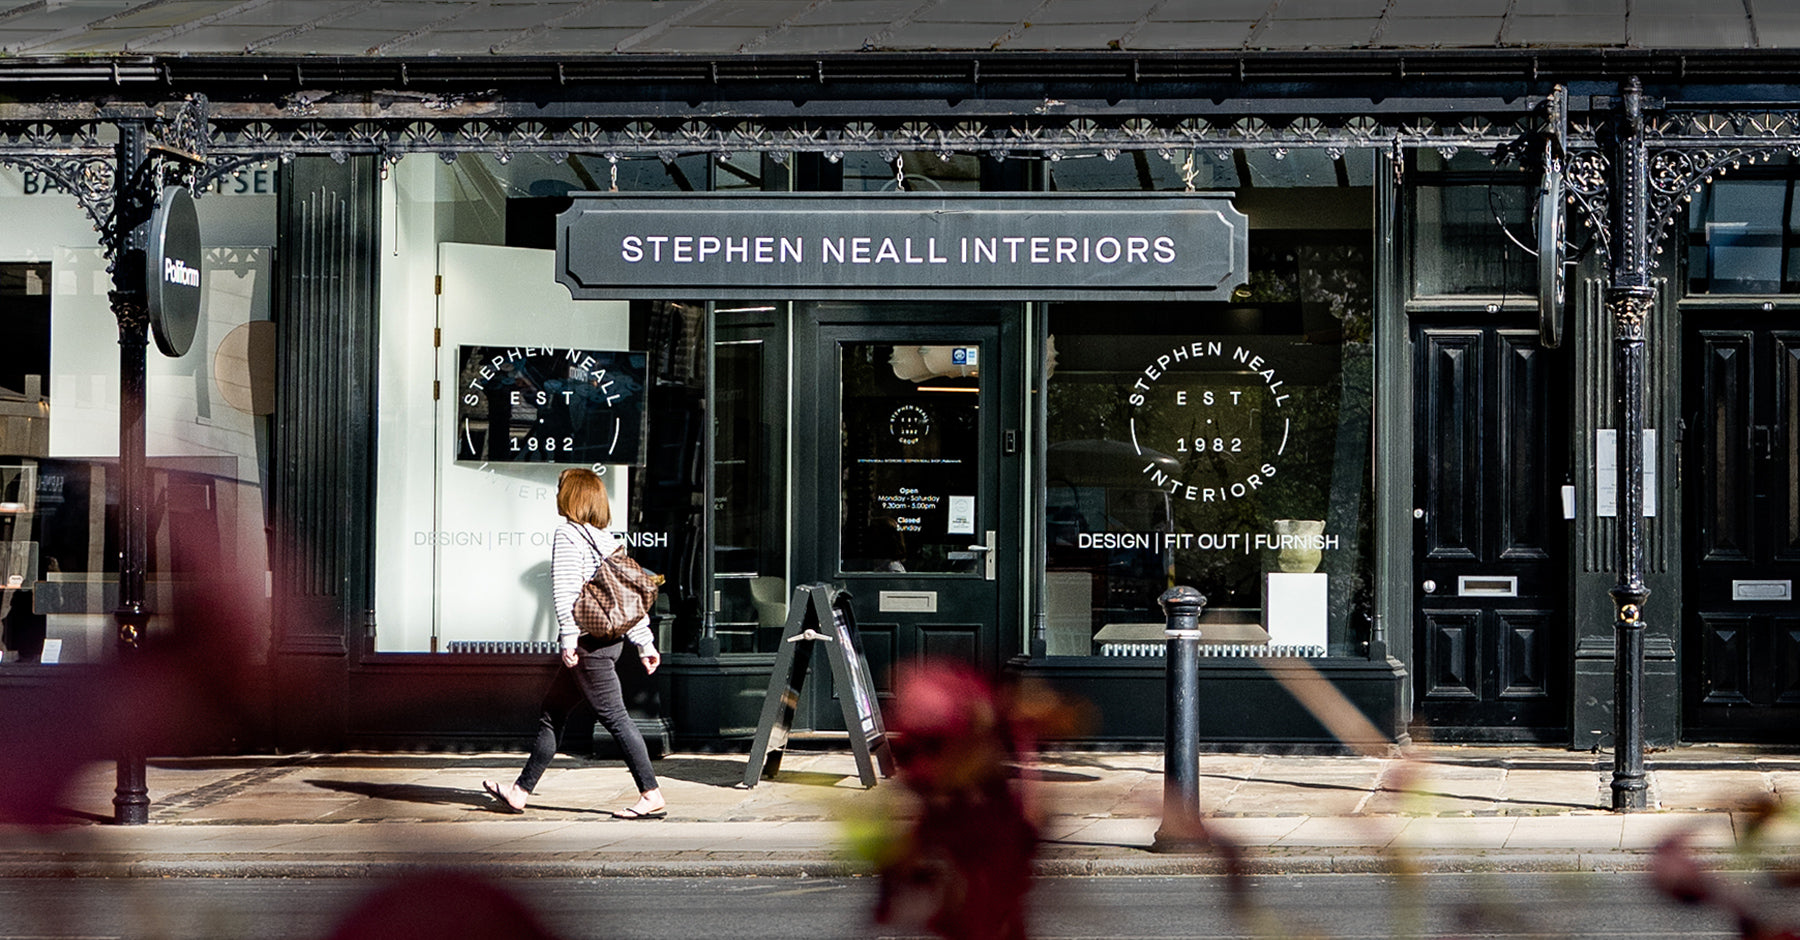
[533,382]
[750,584]
[1743,233]
[1472,223]
[915,172]
[1140,170]
[1224,446]
[206,426]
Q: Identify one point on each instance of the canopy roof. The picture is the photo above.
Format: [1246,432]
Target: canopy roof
[713,28]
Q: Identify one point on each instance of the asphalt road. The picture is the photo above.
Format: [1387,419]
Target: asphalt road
[1336,906]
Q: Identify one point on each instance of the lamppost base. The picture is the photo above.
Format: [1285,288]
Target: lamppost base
[131,812]
[1181,837]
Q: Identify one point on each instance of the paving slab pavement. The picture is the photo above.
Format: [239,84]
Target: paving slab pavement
[1436,807]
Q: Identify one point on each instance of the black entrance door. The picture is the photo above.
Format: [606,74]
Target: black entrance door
[909,457]
[1742,453]
[1490,626]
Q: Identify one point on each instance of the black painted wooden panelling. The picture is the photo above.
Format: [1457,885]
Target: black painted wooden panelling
[1525,446]
[1786,444]
[1725,496]
[1453,419]
[1525,650]
[1453,654]
[1722,661]
[950,642]
[325,405]
[1491,451]
[1786,680]
[1743,462]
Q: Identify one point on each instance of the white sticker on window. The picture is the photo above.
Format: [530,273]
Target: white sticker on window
[962,515]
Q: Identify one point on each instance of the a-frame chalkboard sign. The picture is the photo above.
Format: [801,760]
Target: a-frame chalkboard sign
[821,614]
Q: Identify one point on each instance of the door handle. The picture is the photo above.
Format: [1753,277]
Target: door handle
[987,555]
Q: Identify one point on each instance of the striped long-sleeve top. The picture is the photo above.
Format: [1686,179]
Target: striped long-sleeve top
[572,562]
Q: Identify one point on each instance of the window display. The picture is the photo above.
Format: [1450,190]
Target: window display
[1221,446]
[521,381]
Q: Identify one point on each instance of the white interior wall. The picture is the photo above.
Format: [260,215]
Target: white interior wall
[406,443]
[444,569]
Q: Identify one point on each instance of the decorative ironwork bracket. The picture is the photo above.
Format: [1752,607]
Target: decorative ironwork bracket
[199,145]
[1688,151]
[80,161]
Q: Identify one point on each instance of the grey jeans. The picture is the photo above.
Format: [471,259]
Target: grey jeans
[593,680]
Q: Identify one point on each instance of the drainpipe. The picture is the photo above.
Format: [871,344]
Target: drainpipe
[1629,300]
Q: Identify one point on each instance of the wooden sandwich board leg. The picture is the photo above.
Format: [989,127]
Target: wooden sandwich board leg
[783,696]
[855,686]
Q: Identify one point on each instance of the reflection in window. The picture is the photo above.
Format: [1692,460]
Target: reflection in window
[59,554]
[667,511]
[1222,446]
[921,172]
[1470,221]
[910,457]
[1741,237]
[1142,170]
[750,585]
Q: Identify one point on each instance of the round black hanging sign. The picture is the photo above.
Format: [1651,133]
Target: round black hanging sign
[1552,255]
[172,275]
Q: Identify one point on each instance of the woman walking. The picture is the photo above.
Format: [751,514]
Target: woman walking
[590,664]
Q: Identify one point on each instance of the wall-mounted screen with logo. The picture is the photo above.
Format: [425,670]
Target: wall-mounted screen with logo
[525,404]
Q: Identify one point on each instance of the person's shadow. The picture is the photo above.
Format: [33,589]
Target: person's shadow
[407,792]
[536,580]
[436,796]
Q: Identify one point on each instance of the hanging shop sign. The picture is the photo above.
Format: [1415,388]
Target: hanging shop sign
[172,271]
[1552,254]
[1046,246]
[522,404]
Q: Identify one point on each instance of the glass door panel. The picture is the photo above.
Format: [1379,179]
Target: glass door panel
[910,460]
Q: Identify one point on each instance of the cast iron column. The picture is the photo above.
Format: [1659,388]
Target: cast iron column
[131,800]
[1629,300]
[1180,829]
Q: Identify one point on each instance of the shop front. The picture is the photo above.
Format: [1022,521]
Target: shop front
[1003,343]
[1006,419]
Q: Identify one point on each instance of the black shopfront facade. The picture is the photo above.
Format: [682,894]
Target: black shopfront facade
[1356,414]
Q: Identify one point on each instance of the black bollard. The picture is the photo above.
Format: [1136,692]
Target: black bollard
[1181,830]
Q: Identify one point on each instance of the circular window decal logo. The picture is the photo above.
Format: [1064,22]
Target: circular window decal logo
[1207,421]
[909,424]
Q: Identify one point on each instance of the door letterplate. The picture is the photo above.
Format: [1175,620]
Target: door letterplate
[1762,590]
[907,602]
[1484,586]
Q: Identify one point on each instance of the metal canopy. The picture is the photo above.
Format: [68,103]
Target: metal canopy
[277,28]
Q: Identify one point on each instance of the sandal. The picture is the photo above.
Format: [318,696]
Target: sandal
[629,813]
[499,793]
